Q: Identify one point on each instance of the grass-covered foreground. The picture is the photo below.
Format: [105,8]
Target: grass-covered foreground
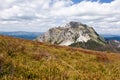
[29,60]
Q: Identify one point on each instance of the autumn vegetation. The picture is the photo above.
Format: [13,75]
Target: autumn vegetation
[31,60]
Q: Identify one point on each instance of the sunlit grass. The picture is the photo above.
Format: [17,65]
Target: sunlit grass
[28,60]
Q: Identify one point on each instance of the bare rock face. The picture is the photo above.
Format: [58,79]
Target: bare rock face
[72,32]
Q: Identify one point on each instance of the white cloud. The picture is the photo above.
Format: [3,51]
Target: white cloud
[40,15]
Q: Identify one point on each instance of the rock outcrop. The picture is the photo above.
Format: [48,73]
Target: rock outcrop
[70,33]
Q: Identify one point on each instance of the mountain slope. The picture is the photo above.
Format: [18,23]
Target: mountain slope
[72,32]
[30,60]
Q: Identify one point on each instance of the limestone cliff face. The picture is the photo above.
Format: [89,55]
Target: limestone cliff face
[72,32]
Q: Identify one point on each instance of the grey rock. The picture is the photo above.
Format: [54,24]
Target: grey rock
[72,32]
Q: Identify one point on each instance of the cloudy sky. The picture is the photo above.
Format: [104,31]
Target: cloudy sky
[40,15]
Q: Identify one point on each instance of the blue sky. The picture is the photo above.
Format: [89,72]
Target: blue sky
[106,1]
[102,1]
[41,15]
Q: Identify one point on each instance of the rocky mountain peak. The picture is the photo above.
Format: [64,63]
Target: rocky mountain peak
[74,24]
[72,32]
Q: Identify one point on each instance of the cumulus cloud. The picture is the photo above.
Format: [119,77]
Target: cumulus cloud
[40,15]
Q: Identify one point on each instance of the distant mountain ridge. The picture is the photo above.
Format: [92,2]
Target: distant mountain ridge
[111,37]
[22,34]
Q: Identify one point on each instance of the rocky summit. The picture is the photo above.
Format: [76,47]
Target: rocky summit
[71,33]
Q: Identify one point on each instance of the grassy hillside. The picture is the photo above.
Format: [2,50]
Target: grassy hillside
[27,60]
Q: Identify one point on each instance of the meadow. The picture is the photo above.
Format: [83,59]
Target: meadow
[31,60]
